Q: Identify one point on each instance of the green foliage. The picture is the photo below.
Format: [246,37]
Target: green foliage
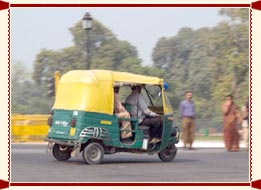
[105,51]
[27,97]
[212,62]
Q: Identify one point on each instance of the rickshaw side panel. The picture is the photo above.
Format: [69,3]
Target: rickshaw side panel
[167,130]
[61,126]
[89,125]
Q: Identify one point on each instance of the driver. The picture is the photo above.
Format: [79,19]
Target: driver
[146,117]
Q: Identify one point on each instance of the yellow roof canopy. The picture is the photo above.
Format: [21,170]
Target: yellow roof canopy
[95,76]
[92,90]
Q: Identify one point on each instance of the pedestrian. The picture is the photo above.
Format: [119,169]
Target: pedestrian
[145,117]
[187,115]
[245,123]
[231,117]
[121,112]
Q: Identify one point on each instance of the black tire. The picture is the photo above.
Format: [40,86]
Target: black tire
[93,153]
[62,152]
[168,154]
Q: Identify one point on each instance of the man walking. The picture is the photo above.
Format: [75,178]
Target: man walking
[187,114]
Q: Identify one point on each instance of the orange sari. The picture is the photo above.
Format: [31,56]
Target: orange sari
[231,136]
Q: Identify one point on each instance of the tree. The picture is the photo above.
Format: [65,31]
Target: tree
[27,97]
[106,52]
[212,62]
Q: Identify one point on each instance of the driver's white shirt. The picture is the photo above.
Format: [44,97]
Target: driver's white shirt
[139,107]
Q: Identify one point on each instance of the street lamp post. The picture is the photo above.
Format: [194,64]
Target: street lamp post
[87,26]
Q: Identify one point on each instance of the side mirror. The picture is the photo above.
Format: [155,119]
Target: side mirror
[165,85]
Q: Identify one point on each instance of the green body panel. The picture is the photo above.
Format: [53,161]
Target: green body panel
[166,134]
[91,126]
[102,127]
[60,128]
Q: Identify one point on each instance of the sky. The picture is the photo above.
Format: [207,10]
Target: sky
[33,29]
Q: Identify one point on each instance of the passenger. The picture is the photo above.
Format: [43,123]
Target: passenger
[121,112]
[146,117]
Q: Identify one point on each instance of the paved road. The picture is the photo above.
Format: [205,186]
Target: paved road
[30,163]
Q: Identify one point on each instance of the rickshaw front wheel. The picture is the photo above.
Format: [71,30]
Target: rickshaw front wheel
[168,153]
[61,152]
[93,153]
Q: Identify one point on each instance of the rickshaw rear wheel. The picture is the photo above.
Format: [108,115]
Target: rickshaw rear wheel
[61,152]
[168,153]
[93,153]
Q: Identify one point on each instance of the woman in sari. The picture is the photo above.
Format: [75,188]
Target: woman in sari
[231,118]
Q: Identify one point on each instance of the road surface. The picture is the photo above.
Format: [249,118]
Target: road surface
[30,163]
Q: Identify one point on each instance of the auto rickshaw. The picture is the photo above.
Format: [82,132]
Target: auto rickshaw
[82,118]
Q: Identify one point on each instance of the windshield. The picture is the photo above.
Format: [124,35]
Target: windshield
[152,94]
